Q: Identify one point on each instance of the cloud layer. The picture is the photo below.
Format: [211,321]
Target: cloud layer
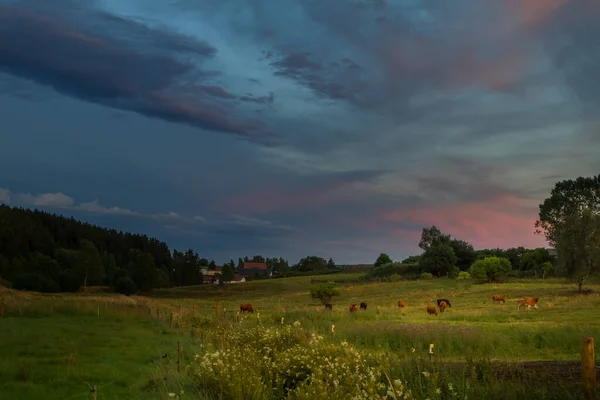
[295,127]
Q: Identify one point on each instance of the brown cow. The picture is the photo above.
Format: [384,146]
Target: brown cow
[498,299]
[443,306]
[431,310]
[353,308]
[246,307]
[401,304]
[529,302]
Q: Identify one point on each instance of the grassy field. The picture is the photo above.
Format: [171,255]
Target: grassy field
[53,347]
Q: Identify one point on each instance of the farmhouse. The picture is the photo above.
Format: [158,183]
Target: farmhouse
[254,270]
[237,279]
[210,275]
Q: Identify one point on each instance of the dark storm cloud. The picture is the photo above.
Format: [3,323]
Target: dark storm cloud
[112,61]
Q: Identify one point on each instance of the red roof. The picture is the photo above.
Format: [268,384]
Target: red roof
[238,278]
[254,265]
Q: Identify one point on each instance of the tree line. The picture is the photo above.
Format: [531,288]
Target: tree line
[46,252]
[569,219]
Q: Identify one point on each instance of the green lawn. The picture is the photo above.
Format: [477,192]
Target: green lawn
[55,347]
[61,356]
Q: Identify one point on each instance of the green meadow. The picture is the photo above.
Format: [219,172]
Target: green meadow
[61,346]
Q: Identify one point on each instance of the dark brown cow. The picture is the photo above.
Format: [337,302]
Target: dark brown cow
[401,304]
[246,308]
[431,310]
[363,306]
[329,306]
[443,306]
[353,308]
[529,302]
[498,299]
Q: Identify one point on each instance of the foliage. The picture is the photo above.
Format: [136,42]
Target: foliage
[567,198]
[426,275]
[406,270]
[383,259]
[535,260]
[464,252]
[227,273]
[431,237]
[439,259]
[35,282]
[490,268]
[578,245]
[463,275]
[395,278]
[325,291]
[125,285]
[311,263]
[290,363]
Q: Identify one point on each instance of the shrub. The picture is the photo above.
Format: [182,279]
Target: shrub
[68,281]
[490,268]
[125,285]
[324,291]
[462,275]
[35,282]
[395,278]
[426,275]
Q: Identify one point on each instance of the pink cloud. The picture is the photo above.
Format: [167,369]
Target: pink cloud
[502,222]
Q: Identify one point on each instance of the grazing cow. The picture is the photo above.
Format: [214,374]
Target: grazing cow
[363,306]
[401,304]
[246,307]
[498,299]
[329,306]
[446,300]
[353,308]
[443,306]
[529,302]
[431,310]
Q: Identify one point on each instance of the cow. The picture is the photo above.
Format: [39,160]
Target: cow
[431,310]
[246,308]
[529,302]
[363,306]
[353,308]
[443,306]
[401,304]
[498,298]
[329,306]
[446,300]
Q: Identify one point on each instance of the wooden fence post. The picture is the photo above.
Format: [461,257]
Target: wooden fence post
[150,312]
[157,313]
[218,307]
[95,393]
[2,308]
[194,309]
[178,353]
[171,321]
[588,367]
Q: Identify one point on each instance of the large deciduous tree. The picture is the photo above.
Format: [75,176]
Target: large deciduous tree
[431,237]
[383,259]
[570,220]
[567,198]
[578,246]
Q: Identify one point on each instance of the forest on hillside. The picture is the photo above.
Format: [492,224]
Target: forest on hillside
[46,252]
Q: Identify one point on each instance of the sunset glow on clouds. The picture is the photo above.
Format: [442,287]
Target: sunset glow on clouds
[295,127]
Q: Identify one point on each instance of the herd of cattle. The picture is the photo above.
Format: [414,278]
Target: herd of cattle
[530,302]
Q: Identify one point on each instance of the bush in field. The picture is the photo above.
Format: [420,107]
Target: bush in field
[463,275]
[36,283]
[125,285]
[426,275]
[324,291]
[490,268]
[395,278]
[290,363]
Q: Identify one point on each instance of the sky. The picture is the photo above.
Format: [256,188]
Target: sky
[299,127]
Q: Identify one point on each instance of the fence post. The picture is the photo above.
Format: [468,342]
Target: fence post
[95,392]
[588,367]
[194,309]
[2,308]
[150,312]
[98,309]
[178,354]
[171,321]
[218,307]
